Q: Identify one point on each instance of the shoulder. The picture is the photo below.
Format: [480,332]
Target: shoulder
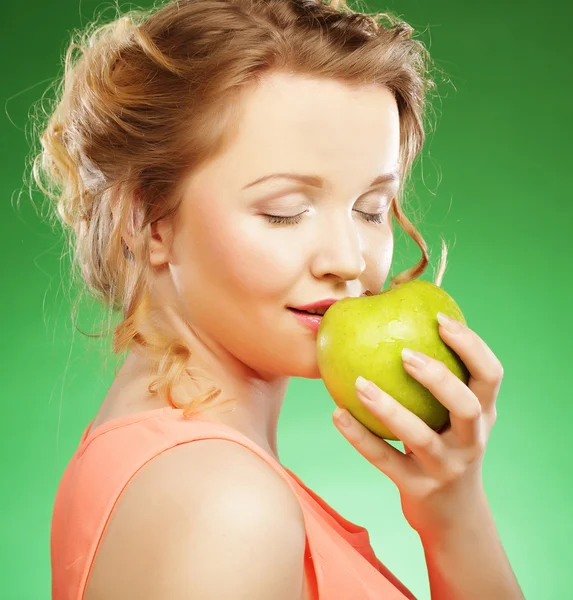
[207,519]
[223,474]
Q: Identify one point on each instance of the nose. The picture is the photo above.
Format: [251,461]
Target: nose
[340,251]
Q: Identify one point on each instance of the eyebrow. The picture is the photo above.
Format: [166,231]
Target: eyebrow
[318,182]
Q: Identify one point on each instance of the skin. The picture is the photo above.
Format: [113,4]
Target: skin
[229,273]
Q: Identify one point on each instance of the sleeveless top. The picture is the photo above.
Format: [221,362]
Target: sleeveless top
[337,551]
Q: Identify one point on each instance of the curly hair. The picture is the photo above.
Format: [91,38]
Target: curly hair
[119,140]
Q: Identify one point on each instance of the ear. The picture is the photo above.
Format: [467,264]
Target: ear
[161,235]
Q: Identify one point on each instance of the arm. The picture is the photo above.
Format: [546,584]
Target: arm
[439,475]
[212,521]
[245,536]
[467,561]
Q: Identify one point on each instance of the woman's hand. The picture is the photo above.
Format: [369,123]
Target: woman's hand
[440,473]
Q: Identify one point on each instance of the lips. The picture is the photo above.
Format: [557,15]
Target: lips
[305,312]
[320,304]
[307,319]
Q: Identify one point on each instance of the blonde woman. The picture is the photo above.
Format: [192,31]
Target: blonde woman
[222,166]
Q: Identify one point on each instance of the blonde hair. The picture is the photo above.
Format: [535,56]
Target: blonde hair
[155,94]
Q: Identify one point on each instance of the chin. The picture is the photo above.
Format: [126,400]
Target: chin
[309,371]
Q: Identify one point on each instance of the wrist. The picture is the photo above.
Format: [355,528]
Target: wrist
[465,511]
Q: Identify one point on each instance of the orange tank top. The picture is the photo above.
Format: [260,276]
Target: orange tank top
[338,551]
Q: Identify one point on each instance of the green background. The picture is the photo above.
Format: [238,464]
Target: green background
[494,180]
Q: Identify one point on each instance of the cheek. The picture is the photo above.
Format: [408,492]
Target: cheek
[255,260]
[378,257]
[236,251]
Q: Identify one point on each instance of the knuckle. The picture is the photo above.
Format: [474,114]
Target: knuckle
[391,411]
[426,442]
[480,446]
[458,471]
[359,440]
[381,456]
[441,373]
[431,488]
[495,374]
[455,471]
[473,411]
[476,451]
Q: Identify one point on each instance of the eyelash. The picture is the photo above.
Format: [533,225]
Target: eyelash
[377,218]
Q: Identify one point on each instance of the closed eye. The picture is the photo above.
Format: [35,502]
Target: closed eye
[377,218]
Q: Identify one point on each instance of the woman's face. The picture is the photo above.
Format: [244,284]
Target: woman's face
[233,272]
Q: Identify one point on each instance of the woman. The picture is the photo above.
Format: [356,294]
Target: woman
[219,164]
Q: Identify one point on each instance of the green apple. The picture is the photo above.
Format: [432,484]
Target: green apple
[365,336]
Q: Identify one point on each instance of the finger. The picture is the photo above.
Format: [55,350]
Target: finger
[407,449]
[375,450]
[425,443]
[486,371]
[453,393]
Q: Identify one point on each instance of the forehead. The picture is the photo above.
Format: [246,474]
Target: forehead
[305,125]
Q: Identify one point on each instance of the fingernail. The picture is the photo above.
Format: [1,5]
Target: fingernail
[416,359]
[342,417]
[448,323]
[362,385]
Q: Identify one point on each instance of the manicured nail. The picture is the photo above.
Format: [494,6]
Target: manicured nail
[362,385]
[342,417]
[449,324]
[416,359]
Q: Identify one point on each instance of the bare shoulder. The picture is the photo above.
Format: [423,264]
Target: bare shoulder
[210,520]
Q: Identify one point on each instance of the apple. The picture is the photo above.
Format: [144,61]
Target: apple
[365,336]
